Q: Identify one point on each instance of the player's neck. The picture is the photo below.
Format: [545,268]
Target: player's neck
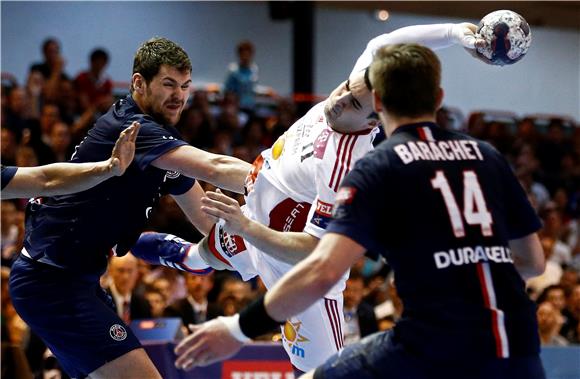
[392,122]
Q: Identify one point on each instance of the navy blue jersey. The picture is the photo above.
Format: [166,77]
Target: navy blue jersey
[8,173]
[79,230]
[441,207]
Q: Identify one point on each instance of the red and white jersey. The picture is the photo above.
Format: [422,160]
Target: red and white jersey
[293,184]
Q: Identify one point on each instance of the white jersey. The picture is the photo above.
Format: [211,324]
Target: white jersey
[292,188]
[293,184]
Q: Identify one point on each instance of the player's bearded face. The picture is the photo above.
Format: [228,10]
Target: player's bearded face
[349,107]
[166,95]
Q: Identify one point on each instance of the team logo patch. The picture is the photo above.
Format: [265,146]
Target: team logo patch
[344,196]
[117,332]
[172,174]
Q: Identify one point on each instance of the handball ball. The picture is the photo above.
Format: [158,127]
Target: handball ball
[508,38]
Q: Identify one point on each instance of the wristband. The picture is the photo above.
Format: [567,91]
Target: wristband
[233,325]
[255,321]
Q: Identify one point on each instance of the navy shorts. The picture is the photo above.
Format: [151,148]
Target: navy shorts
[72,314]
[379,356]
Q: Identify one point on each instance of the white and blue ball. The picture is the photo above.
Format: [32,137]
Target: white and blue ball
[508,37]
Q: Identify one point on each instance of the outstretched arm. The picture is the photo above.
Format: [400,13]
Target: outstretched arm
[220,170]
[436,36]
[65,178]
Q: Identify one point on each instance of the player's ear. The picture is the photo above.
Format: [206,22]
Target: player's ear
[137,82]
[440,95]
[377,105]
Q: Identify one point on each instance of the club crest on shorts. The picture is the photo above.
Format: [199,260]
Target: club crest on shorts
[118,332]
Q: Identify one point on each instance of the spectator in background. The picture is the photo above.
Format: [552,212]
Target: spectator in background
[8,146]
[157,302]
[123,279]
[555,295]
[551,274]
[359,316]
[52,69]
[195,308]
[242,77]
[176,288]
[94,88]
[60,142]
[570,329]
[11,241]
[550,321]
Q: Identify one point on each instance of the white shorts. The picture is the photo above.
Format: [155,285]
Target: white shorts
[312,336]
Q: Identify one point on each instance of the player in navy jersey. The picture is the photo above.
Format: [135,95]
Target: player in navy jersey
[54,284]
[63,178]
[449,216]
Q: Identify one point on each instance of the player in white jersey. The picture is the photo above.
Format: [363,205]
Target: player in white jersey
[291,189]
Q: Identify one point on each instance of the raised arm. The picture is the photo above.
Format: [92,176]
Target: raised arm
[64,178]
[220,170]
[436,36]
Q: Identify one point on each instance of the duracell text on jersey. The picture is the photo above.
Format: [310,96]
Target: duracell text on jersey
[452,150]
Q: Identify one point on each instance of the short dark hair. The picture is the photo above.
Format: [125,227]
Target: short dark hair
[245,45]
[99,53]
[48,41]
[407,78]
[156,52]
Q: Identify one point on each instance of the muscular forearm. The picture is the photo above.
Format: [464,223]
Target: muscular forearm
[528,256]
[75,177]
[56,179]
[307,282]
[289,247]
[228,173]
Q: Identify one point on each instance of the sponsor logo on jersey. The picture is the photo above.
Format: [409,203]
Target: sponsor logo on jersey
[322,214]
[231,244]
[117,332]
[320,143]
[471,255]
[289,216]
[292,337]
[278,147]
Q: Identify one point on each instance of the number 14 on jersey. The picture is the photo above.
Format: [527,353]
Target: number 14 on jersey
[475,210]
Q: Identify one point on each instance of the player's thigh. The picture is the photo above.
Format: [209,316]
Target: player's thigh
[72,315]
[134,364]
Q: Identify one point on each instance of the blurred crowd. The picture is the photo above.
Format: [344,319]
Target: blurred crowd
[44,118]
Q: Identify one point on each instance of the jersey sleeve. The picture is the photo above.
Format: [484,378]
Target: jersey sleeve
[176,184]
[8,173]
[152,142]
[358,207]
[436,36]
[337,162]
